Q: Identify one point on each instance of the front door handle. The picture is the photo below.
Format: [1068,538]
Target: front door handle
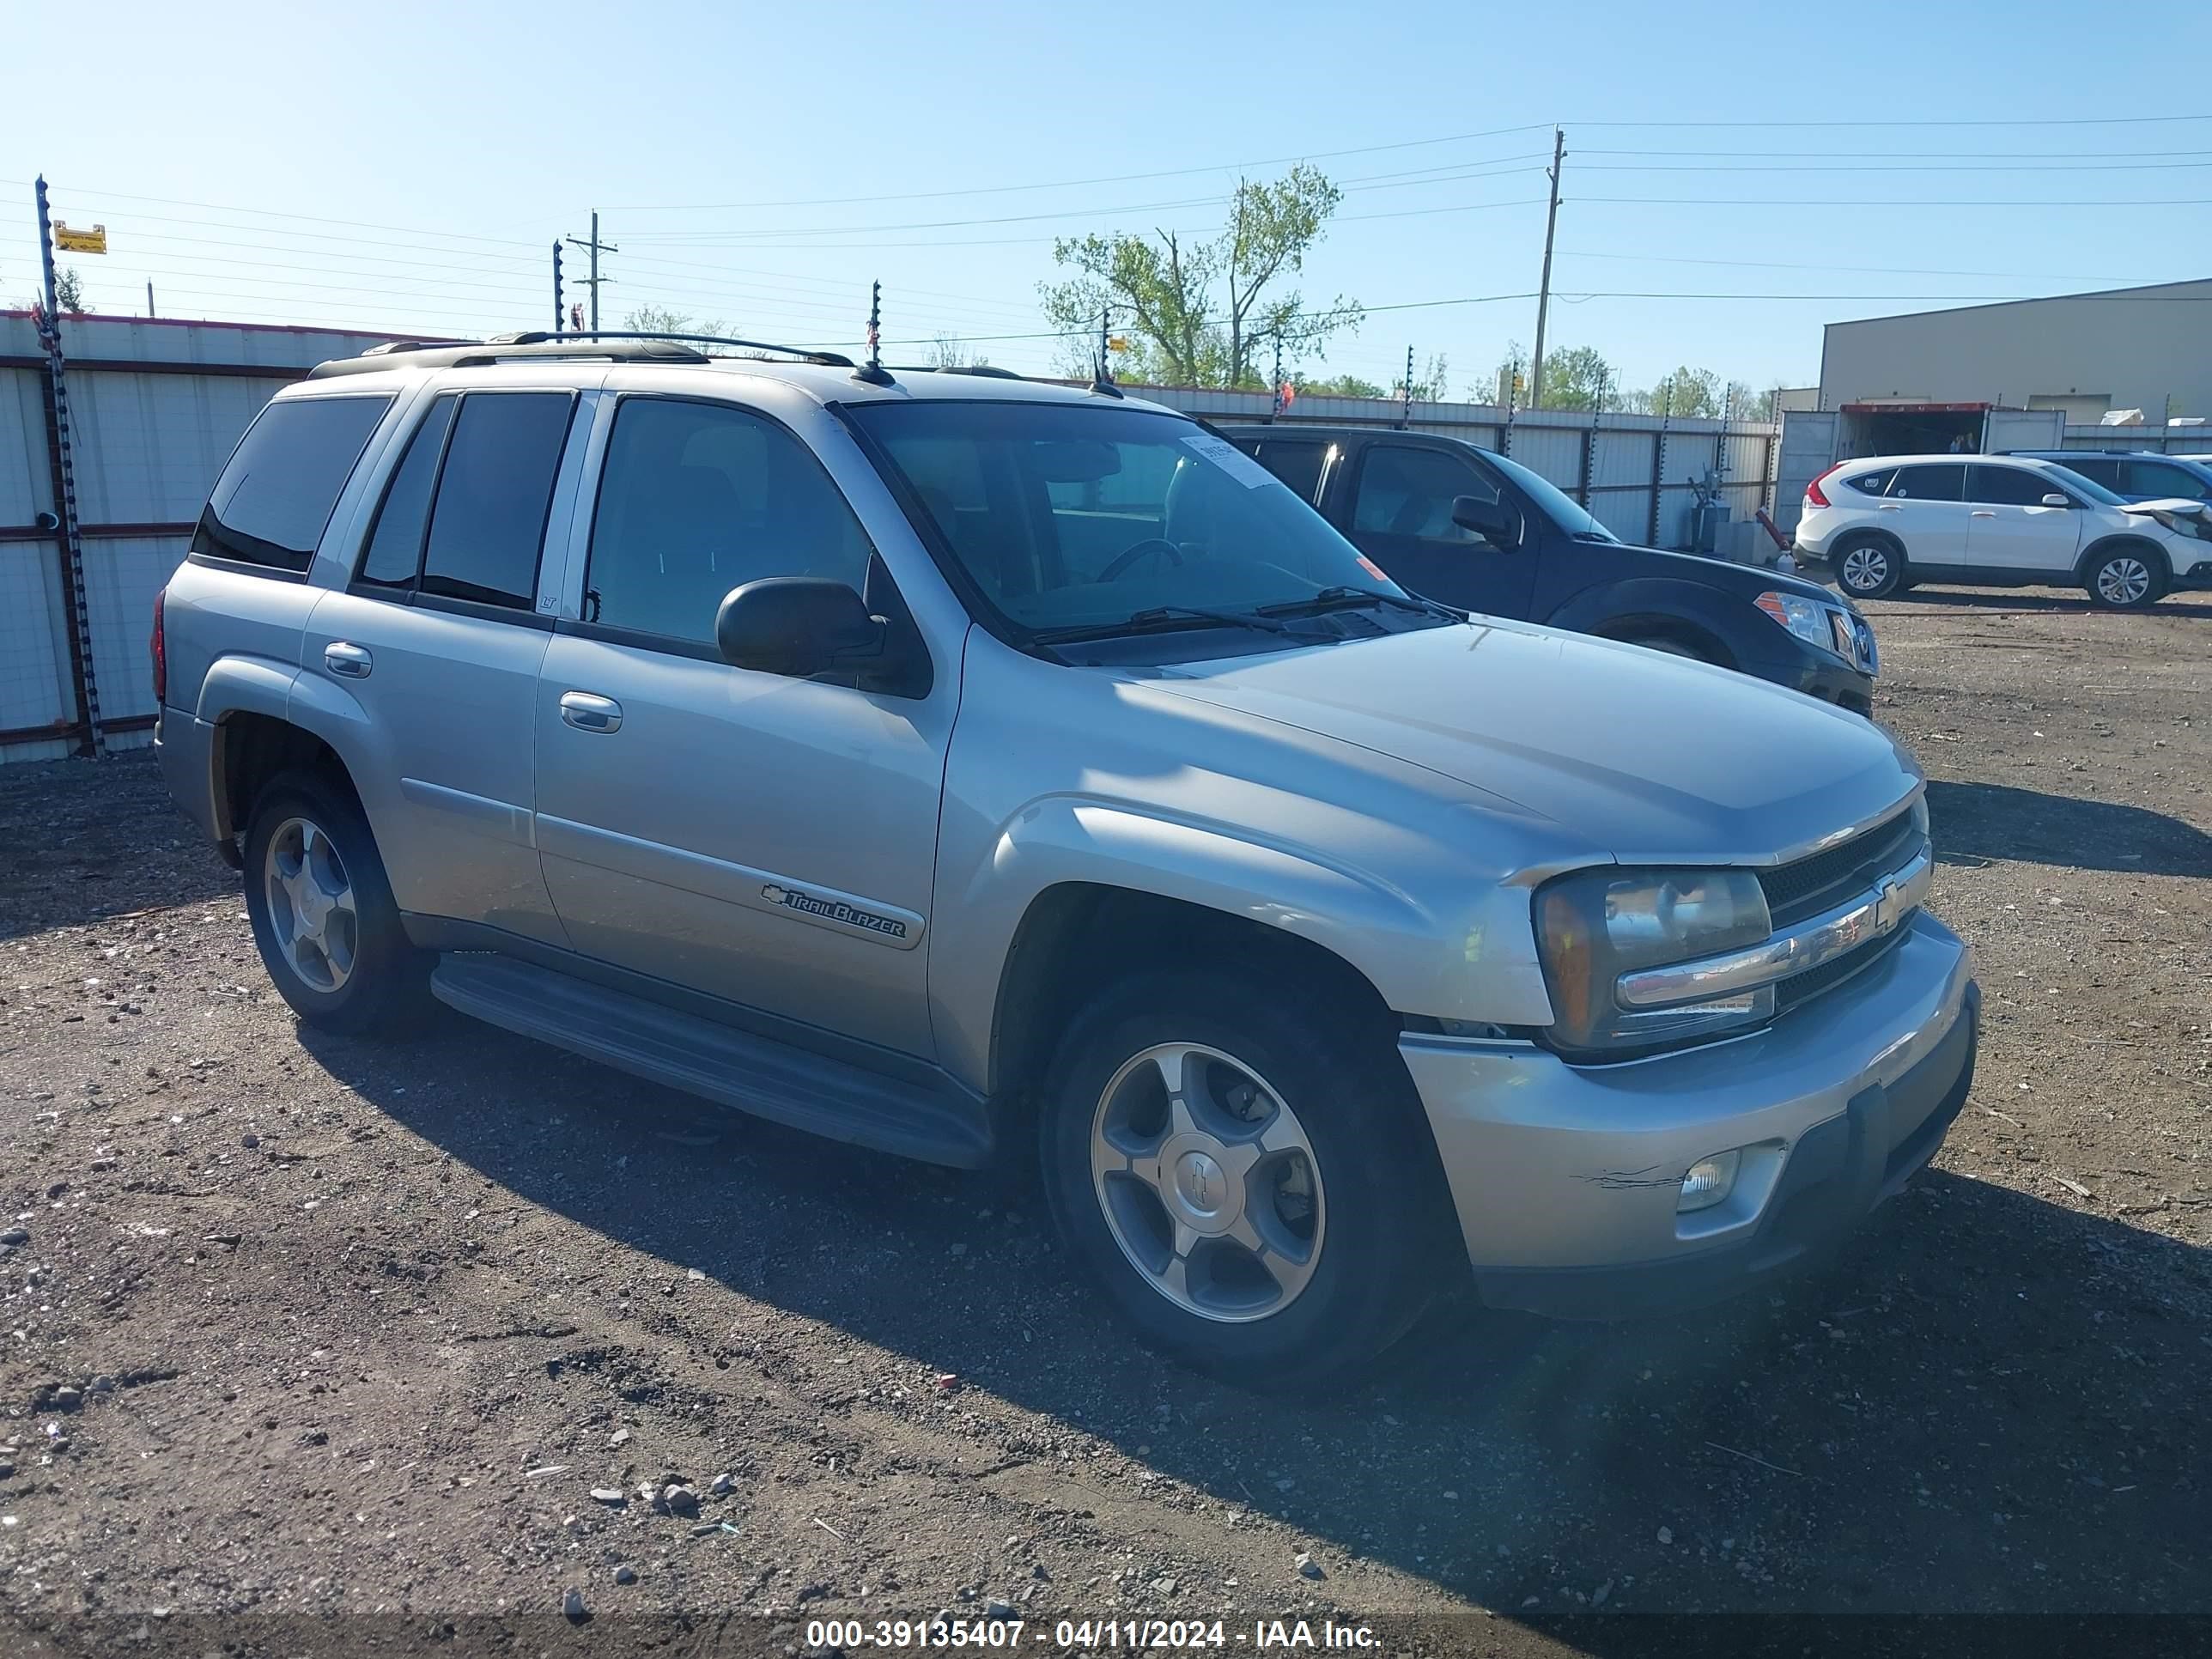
[589,712]
[1981,513]
[348,661]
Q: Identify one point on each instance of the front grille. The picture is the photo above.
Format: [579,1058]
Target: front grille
[1804,987]
[1822,882]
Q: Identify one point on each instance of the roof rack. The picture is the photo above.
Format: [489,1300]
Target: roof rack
[990,371]
[610,344]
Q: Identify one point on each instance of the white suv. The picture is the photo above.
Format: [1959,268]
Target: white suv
[1886,523]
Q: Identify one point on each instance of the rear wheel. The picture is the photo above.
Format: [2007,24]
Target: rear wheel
[324,917]
[2128,577]
[1868,568]
[1250,1182]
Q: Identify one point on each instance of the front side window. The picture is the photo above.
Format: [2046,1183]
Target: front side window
[494,492]
[697,499]
[1945,482]
[1409,492]
[2008,486]
[274,499]
[1298,464]
[1065,516]
[2160,479]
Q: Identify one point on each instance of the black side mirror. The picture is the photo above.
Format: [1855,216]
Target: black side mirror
[796,625]
[1487,518]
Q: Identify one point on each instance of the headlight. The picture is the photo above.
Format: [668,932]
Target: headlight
[1807,618]
[1596,926]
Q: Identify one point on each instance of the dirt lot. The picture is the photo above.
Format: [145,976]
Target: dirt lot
[360,1328]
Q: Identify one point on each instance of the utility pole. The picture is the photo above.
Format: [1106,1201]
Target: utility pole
[557,313]
[1544,288]
[597,248]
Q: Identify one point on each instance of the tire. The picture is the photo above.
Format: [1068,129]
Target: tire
[2128,577]
[1346,1196]
[1868,567]
[322,914]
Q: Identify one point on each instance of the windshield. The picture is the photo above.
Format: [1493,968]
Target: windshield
[1076,516]
[2089,487]
[1552,502]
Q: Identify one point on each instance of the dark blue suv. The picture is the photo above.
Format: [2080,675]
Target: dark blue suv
[2134,475]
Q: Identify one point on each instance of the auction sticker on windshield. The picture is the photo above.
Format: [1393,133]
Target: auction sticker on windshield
[1233,460]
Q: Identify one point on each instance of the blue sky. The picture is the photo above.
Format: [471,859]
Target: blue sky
[409,167]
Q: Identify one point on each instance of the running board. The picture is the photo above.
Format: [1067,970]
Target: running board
[757,1074]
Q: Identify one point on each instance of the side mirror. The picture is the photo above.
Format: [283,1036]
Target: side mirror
[796,625]
[2055,499]
[1487,518]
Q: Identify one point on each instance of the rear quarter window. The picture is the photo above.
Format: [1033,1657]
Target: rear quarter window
[1872,483]
[274,499]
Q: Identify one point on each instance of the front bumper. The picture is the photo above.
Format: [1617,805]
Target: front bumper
[1818,674]
[2198,574]
[1566,1178]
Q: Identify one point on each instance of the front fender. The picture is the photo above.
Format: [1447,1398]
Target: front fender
[1605,607]
[1477,961]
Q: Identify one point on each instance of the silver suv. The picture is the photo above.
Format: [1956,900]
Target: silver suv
[968,768]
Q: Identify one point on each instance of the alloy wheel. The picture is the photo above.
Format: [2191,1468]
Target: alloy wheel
[311,911]
[1207,1182]
[2123,580]
[1865,569]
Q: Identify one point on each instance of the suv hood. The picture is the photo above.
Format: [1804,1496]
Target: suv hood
[1650,757]
[1748,580]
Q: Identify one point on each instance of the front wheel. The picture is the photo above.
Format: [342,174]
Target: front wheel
[1245,1172]
[2126,579]
[1869,569]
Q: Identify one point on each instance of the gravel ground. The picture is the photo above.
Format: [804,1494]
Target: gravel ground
[295,1325]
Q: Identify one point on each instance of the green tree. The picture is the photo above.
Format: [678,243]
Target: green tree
[1688,393]
[1337,385]
[1203,314]
[69,291]
[660,319]
[1578,377]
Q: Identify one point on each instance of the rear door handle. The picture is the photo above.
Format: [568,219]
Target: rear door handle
[348,661]
[589,712]
[1889,507]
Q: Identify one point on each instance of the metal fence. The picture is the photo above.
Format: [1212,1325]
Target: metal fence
[153,410]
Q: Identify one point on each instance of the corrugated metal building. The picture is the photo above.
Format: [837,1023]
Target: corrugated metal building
[157,407]
[2130,348]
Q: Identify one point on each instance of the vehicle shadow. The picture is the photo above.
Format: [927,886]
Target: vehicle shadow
[1998,821]
[1989,1404]
[109,821]
[2057,601]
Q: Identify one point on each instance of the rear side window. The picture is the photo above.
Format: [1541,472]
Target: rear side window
[1872,483]
[394,558]
[1943,482]
[274,499]
[1298,464]
[2009,486]
[494,491]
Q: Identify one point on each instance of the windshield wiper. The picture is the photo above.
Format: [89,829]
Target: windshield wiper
[1344,597]
[1162,618]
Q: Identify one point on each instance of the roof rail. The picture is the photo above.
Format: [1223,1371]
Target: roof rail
[990,371]
[611,345]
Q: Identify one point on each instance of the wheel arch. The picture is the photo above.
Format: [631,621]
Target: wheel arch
[1077,933]
[2103,546]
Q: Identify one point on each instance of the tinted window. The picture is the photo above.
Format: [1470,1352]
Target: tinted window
[1872,483]
[1928,483]
[275,498]
[697,499]
[2099,469]
[1408,492]
[394,557]
[1298,464]
[493,494]
[2009,486]
[2159,478]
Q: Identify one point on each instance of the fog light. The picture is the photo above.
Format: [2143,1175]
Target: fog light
[1710,1180]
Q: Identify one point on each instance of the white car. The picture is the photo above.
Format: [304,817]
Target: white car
[1883,524]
